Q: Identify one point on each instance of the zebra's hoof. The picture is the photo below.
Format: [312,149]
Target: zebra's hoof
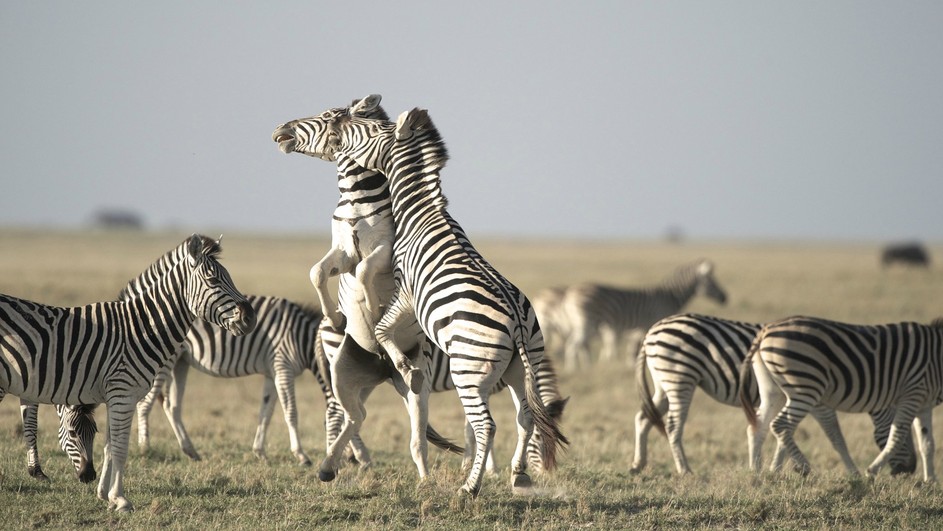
[327,475]
[469,492]
[37,473]
[635,470]
[304,461]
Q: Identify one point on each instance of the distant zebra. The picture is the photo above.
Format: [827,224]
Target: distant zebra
[109,352]
[461,302]
[593,311]
[280,348]
[687,351]
[845,367]
[548,303]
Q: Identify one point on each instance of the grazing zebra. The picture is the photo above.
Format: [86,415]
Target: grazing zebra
[844,367]
[77,430]
[110,352]
[594,311]
[280,348]
[548,303]
[464,306]
[687,351]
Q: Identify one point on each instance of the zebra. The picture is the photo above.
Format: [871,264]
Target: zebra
[687,351]
[548,303]
[281,347]
[845,367]
[606,312]
[110,352]
[464,306]
[76,435]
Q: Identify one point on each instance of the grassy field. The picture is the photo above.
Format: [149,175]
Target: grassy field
[230,488]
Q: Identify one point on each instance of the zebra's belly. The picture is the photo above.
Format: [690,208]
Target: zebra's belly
[230,366]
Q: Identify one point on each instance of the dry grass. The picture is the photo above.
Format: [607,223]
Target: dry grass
[231,489]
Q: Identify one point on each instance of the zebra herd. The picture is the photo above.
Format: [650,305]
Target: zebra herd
[419,307]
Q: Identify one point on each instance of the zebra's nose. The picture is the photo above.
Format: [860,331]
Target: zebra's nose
[244,319]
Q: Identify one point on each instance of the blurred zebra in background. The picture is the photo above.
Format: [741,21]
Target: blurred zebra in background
[280,348]
[591,312]
[854,368]
[687,351]
[465,306]
[110,352]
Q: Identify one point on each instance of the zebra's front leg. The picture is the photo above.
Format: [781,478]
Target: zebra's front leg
[111,487]
[285,386]
[28,412]
[265,416]
[335,262]
[924,425]
[397,315]
[828,419]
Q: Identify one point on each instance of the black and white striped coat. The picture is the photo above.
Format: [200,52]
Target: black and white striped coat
[593,312]
[689,351]
[280,348]
[110,352]
[845,367]
[464,306]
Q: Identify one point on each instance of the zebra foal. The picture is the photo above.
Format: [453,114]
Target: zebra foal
[689,351]
[465,307]
[110,352]
[846,367]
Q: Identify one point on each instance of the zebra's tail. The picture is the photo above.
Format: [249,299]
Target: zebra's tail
[645,393]
[544,422]
[746,379]
[439,441]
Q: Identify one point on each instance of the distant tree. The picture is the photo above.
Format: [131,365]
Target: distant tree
[911,253]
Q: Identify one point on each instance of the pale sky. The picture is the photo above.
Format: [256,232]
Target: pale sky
[727,119]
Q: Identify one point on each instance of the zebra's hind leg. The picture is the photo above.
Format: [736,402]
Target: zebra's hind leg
[679,401]
[784,427]
[515,376]
[398,313]
[265,416]
[144,407]
[643,426]
[28,412]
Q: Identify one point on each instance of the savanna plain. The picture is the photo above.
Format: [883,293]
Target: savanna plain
[232,489]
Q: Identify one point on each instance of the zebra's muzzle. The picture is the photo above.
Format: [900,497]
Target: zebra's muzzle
[243,319]
[285,139]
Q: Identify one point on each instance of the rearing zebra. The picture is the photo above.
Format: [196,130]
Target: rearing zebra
[845,367]
[593,311]
[481,320]
[110,352]
[687,351]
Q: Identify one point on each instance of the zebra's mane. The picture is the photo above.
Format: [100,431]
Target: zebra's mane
[434,152]
[208,247]
[937,323]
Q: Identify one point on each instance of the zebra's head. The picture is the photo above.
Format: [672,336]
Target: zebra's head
[211,294]
[320,136]
[77,431]
[707,285]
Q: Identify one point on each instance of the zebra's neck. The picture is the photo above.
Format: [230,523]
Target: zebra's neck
[681,286]
[364,193]
[160,313]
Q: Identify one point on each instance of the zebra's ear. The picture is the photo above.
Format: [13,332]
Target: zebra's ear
[410,122]
[365,106]
[195,250]
[705,268]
